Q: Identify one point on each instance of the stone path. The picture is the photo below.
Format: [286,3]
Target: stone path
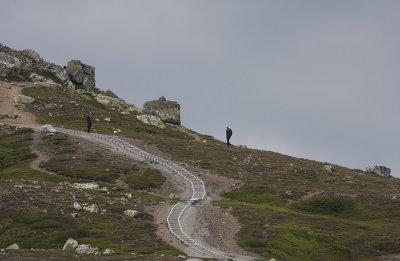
[174,218]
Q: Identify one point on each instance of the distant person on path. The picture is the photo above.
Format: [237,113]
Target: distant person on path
[89,122]
[228,136]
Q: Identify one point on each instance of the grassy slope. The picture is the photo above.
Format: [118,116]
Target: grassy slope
[36,207]
[351,215]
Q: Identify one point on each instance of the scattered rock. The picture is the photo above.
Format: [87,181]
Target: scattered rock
[181,256]
[7,87]
[379,170]
[104,189]
[77,205]
[130,213]
[86,249]
[13,246]
[92,208]
[272,259]
[108,251]
[22,99]
[151,120]
[167,111]
[394,197]
[328,168]
[91,185]
[74,215]
[70,245]
[107,119]
[48,128]
[11,116]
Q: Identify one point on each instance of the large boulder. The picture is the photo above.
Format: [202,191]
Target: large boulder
[379,170]
[167,111]
[82,75]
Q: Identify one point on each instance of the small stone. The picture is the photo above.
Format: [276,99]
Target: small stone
[77,206]
[74,215]
[83,249]
[48,128]
[13,246]
[92,208]
[108,251]
[91,185]
[70,245]
[181,256]
[129,195]
[272,259]
[394,197]
[107,119]
[22,99]
[104,189]
[130,213]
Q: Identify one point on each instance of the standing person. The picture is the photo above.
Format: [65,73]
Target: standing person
[89,122]
[228,136]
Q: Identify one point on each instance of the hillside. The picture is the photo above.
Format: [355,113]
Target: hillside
[272,205]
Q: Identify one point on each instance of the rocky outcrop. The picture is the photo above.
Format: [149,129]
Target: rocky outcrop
[82,75]
[27,65]
[167,111]
[379,170]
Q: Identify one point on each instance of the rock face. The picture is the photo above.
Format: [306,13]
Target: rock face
[167,111]
[27,65]
[82,75]
[379,170]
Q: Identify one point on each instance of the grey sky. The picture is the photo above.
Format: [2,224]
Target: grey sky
[312,79]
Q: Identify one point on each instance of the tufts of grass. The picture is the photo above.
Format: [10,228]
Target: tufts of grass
[147,179]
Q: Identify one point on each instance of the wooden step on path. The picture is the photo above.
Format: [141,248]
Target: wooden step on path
[175,214]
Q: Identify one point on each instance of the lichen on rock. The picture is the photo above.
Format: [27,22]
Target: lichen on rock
[22,99]
[151,120]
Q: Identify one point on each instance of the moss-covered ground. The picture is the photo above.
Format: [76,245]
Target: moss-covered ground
[290,208]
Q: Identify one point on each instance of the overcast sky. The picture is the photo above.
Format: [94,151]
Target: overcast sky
[312,79]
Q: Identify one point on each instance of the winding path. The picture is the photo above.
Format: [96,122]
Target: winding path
[174,218]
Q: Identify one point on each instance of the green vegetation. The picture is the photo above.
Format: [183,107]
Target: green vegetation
[146,179]
[289,208]
[35,212]
[53,106]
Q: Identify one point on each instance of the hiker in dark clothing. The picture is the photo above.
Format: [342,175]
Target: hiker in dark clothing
[228,136]
[89,122]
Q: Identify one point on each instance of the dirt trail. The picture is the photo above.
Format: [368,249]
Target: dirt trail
[7,106]
[207,224]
